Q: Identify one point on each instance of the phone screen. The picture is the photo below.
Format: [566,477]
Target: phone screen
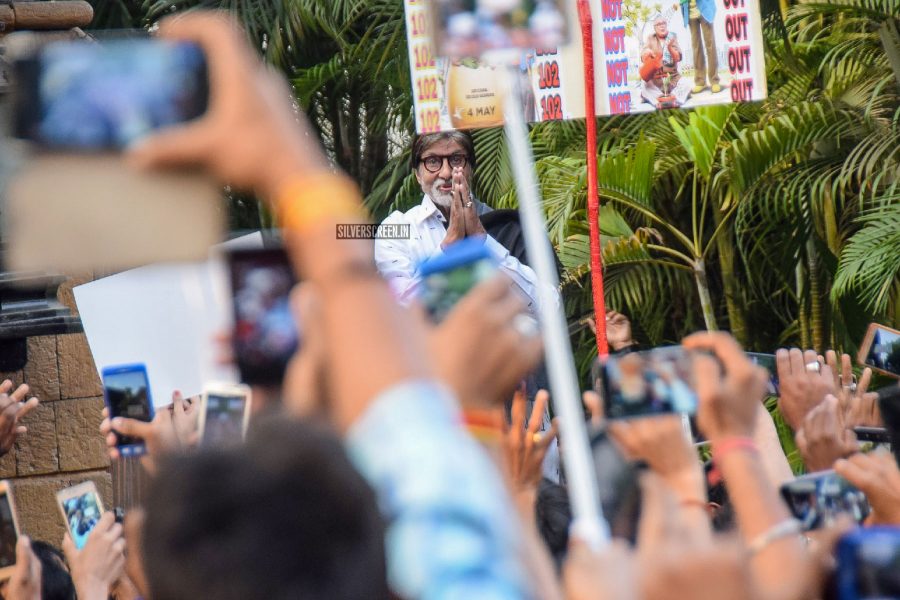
[127,395]
[224,419]
[468,27]
[443,289]
[265,332]
[767,362]
[94,96]
[7,533]
[658,381]
[884,352]
[817,500]
[82,513]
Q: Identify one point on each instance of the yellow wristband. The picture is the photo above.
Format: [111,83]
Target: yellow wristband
[308,201]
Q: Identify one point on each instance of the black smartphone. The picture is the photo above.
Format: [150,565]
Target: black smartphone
[880,350]
[817,499]
[767,362]
[653,382]
[79,95]
[889,407]
[126,391]
[876,435]
[868,564]
[265,334]
[618,485]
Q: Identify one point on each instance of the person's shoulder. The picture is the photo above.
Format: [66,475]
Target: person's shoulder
[411,215]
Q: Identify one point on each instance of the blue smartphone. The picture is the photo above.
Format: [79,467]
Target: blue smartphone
[105,96]
[869,564]
[450,276]
[126,391]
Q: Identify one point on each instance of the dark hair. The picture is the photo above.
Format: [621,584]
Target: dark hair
[554,517]
[56,582]
[285,516]
[426,141]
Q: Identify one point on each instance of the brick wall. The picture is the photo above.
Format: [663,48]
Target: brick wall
[63,445]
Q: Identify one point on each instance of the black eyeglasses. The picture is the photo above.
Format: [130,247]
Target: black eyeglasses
[434,163]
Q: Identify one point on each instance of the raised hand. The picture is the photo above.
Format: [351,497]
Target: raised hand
[97,566]
[25,583]
[824,437]
[470,214]
[457,227]
[877,475]
[860,407]
[13,408]
[803,383]
[525,448]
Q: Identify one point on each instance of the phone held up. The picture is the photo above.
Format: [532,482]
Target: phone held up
[265,334]
[224,414]
[450,276]
[126,390]
[81,508]
[9,531]
[880,350]
[653,382]
[817,499]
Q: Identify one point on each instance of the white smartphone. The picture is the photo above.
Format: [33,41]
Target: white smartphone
[9,531]
[81,508]
[224,414]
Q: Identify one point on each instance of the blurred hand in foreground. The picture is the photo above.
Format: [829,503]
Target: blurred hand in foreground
[823,437]
[478,350]
[526,447]
[25,583]
[877,475]
[13,408]
[99,564]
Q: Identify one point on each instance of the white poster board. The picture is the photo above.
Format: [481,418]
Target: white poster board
[165,316]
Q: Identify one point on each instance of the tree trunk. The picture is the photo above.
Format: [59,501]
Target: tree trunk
[725,247]
[709,314]
[816,310]
[802,313]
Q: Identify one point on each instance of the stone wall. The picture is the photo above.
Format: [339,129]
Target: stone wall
[63,445]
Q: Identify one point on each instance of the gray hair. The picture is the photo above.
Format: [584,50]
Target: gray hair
[426,141]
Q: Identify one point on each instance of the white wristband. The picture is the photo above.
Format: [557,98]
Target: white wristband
[780,530]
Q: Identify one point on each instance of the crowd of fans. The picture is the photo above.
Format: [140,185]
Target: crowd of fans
[370,477]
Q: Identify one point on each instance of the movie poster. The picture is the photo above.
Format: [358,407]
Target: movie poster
[648,55]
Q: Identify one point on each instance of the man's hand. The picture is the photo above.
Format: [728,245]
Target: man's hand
[823,438]
[461,186]
[801,389]
[662,444]
[13,408]
[877,476]
[618,330]
[477,350]
[250,136]
[525,448]
[728,401]
[25,583]
[456,228]
[860,407]
[606,575]
[99,564]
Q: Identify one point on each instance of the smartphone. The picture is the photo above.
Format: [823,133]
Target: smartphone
[126,390]
[889,407]
[618,485]
[868,564]
[89,96]
[265,333]
[81,508]
[877,435]
[469,27]
[653,382]
[817,499]
[9,531]
[224,414]
[450,276]
[880,350]
[767,362]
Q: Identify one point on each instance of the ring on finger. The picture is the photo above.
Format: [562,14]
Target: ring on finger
[813,366]
[469,204]
[525,325]
[536,438]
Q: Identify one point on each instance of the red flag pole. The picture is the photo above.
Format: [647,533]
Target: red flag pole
[593,199]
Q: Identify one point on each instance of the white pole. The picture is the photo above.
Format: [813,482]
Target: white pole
[588,523]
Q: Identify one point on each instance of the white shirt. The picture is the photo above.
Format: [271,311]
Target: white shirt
[398,260]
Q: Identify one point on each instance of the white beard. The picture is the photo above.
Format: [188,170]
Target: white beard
[437,196]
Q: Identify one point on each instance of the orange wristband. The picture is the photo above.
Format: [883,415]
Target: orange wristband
[308,201]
